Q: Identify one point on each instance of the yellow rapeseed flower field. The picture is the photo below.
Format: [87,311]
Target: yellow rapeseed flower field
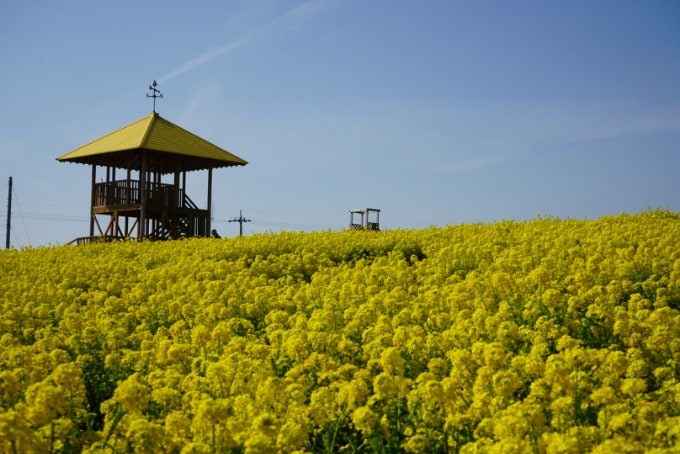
[545,336]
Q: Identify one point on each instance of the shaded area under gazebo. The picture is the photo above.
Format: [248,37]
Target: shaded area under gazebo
[143,190]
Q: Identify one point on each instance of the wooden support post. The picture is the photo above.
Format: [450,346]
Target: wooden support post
[128,198]
[99,227]
[207,223]
[176,192]
[141,228]
[128,201]
[184,187]
[92,200]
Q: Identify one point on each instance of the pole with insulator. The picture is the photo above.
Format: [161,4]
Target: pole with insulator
[240,219]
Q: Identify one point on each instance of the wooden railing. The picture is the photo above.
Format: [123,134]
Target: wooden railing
[93,239]
[128,193]
[123,192]
[369,226]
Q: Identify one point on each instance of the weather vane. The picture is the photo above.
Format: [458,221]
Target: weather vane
[155,93]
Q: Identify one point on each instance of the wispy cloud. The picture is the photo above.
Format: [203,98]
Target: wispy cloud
[628,124]
[290,19]
[208,57]
[199,97]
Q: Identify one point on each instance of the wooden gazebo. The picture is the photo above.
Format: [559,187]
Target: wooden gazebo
[142,186]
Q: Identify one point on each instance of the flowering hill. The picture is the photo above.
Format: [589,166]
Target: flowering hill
[541,336]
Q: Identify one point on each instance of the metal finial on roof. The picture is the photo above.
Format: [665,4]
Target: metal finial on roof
[155,93]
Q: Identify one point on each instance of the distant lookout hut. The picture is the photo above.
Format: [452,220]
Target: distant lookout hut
[369,219]
[142,189]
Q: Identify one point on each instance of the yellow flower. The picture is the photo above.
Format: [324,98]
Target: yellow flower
[133,394]
[323,406]
[365,420]
[178,425]
[262,437]
[291,437]
[620,422]
[416,443]
[385,386]
[352,394]
[17,435]
[45,402]
[145,437]
[494,354]
[196,448]
[632,386]
[506,382]
[561,443]
[603,396]
[518,334]
[392,362]
[10,388]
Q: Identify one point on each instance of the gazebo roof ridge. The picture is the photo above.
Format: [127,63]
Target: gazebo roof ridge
[148,130]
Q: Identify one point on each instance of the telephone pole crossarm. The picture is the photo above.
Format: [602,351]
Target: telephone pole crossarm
[240,219]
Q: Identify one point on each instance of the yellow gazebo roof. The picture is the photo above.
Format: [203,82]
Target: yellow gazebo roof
[169,148]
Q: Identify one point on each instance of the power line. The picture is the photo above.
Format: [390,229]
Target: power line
[301,216]
[16,238]
[293,220]
[290,225]
[48,217]
[21,216]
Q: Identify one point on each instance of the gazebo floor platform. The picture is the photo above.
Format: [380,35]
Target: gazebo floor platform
[152,211]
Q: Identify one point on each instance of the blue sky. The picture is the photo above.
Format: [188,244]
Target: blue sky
[436,112]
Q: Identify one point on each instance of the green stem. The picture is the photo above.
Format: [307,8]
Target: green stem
[329,448]
[51,437]
[114,422]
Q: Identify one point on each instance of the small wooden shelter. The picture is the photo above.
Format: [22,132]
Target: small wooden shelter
[142,188]
[369,219]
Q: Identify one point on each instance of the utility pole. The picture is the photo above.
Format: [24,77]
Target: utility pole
[240,219]
[9,212]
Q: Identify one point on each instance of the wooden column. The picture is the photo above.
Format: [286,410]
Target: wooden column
[141,228]
[184,186]
[207,222]
[176,191]
[128,201]
[94,180]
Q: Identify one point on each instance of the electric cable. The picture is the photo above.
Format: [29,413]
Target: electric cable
[23,221]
